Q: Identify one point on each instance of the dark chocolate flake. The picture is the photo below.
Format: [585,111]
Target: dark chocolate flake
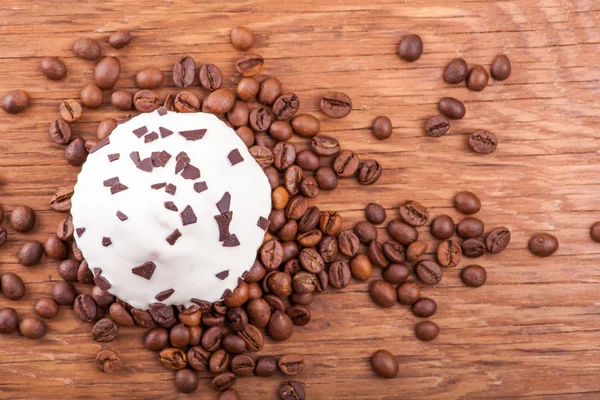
[145,270]
[202,304]
[195,134]
[135,157]
[226,294]
[172,238]
[157,186]
[139,132]
[263,223]
[200,187]
[100,145]
[224,203]
[113,157]
[119,187]
[145,164]
[79,231]
[164,132]
[169,205]
[160,159]
[111,182]
[182,161]
[231,241]
[122,216]
[151,137]
[97,271]
[106,241]
[188,216]
[102,283]
[235,157]
[223,222]
[245,274]
[190,172]
[223,275]
[171,189]
[165,294]
[161,111]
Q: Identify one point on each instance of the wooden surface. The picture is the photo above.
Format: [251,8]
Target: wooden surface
[531,332]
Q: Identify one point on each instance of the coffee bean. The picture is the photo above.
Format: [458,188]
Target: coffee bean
[190,316]
[382,293]
[280,326]
[105,330]
[88,49]
[263,156]
[184,72]
[75,152]
[394,251]
[276,220]
[427,331]
[233,344]
[253,337]
[12,286]
[46,308]
[32,328]
[449,253]
[309,187]
[415,250]
[304,299]
[242,38]
[330,223]
[339,274]
[288,231]
[325,146]
[120,315]
[348,243]
[149,78]
[102,298]
[85,308]
[296,208]
[179,336]
[64,293]
[186,380]
[60,132]
[142,318]
[311,260]
[326,178]
[259,313]
[291,364]
[346,164]
[266,366]
[223,381]
[238,115]
[395,273]
[238,297]
[105,127]
[242,365]
[365,231]
[286,106]
[250,64]
[292,178]
[336,105]
[497,240]
[282,131]
[91,96]
[310,220]
[212,338]
[456,71]
[163,315]
[413,213]
[470,227]
[437,126]
[408,293]
[279,283]
[478,78]
[237,318]
[55,248]
[429,272]
[369,172]
[410,48]
[452,108]
[291,391]
[300,315]
[271,254]
[382,128]
[384,364]
[284,155]
[473,275]
[53,68]
[107,72]
[543,244]
[198,358]
[156,339]
[247,88]
[60,202]
[9,320]
[121,100]
[305,125]
[186,102]
[361,267]
[2,236]
[442,227]
[595,232]
[501,68]
[108,362]
[270,90]
[145,101]
[15,102]
[375,213]
[483,142]
[473,248]
[31,253]
[210,77]
[70,110]
[173,359]
[247,137]
[376,255]
[120,39]
[195,335]
[310,238]
[230,394]
[424,307]
[467,202]
[403,233]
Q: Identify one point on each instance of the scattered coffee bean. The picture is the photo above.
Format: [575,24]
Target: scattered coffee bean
[120,39]
[121,100]
[230,394]
[9,320]
[282,131]
[266,366]
[250,64]
[247,136]
[410,48]
[284,155]
[55,248]
[361,267]
[91,96]
[376,254]
[47,308]
[326,178]
[60,132]
[242,365]
[184,72]
[437,126]
[501,68]
[543,244]
[470,227]
[70,110]
[408,293]
[179,336]
[467,202]
[286,106]
[31,253]
[346,164]
[375,213]
[107,72]
[473,275]
[365,231]
[306,125]
[384,364]
[210,77]
[382,293]
[299,314]
[382,128]
[108,362]
[427,330]
[339,274]
[238,115]
[60,201]
[270,90]
[247,88]
[304,299]
[105,127]
[292,178]
[223,381]
[280,326]
[309,187]
[120,315]
[64,293]
[149,78]
[452,108]
[291,391]
[186,380]
[102,298]
[456,71]
[156,339]
[394,251]
[291,364]
[32,328]
[497,240]
[242,38]
[369,172]
[483,142]
[88,49]
[12,286]
[413,213]
[416,250]
[296,207]
[424,307]
[473,248]
[325,146]
[478,78]
[105,330]
[15,102]
[595,232]
[145,101]
[403,233]
[348,242]
[173,359]
[53,68]
[449,253]
[85,308]
[395,273]
[336,105]
[186,102]
[220,101]
[75,152]
[429,272]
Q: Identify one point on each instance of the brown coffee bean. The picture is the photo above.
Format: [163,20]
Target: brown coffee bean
[280,326]
[60,132]
[219,360]
[262,139]
[299,314]
[9,320]
[184,72]
[375,213]
[15,102]
[415,250]
[279,283]
[120,315]
[276,220]
[31,253]
[336,104]
[309,187]
[105,330]
[47,308]
[107,72]
[306,125]
[247,88]
[543,244]
[449,253]
[478,78]
[12,286]
[424,307]
[384,364]
[84,274]
[442,227]
[456,71]
[121,100]
[120,39]
[286,106]
[382,128]
[60,202]
[346,164]
[483,142]
[365,231]
[242,38]
[233,344]
[328,248]
[307,160]
[108,362]
[311,260]
[408,293]
[70,110]
[348,243]
[88,49]
[413,213]
[291,364]
[64,293]
[271,254]
[262,155]
[105,127]
[501,68]
[284,155]
[369,172]
[85,308]
[254,339]
[186,102]
[32,328]
[223,381]
[156,339]
[402,233]
[473,275]
[238,115]
[195,335]
[210,77]
[149,78]
[395,273]
[361,267]
[467,202]
[75,152]
[145,101]
[304,299]
[291,391]
[280,198]
[266,366]
[325,146]
[382,293]
[394,251]
[179,336]
[310,220]
[259,313]
[427,331]
[497,240]
[452,108]
[470,227]
[437,126]
[326,178]
[173,359]
[238,297]
[230,394]
[102,298]
[410,48]
[53,68]
[281,131]
[91,96]
[339,274]
[288,231]
[198,358]
[310,238]
[55,248]
[270,90]
[429,272]
[186,380]
[473,248]
[296,207]
[250,64]
[330,223]
[260,119]
[247,137]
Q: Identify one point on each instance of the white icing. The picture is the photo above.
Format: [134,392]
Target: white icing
[190,265]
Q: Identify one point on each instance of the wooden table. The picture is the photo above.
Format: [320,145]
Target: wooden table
[531,331]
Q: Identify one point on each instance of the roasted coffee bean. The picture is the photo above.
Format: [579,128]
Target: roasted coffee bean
[75,152]
[330,223]
[382,128]
[238,115]
[237,318]
[291,391]
[595,232]
[230,394]
[173,359]
[85,308]
[64,293]
[473,248]
[325,146]
[456,71]
[91,96]
[242,38]
[256,273]
[449,253]
[303,299]
[223,381]
[210,77]
[198,358]
[427,331]
[284,155]
[346,164]
[262,155]
[382,293]
[483,142]
[410,48]
[195,335]
[473,275]
[395,273]
[501,68]
[179,336]
[84,274]
[262,139]
[384,364]
[365,231]
[55,248]
[259,312]
[88,49]
[247,88]
[442,227]
[107,72]
[437,126]
[375,213]
[310,220]
[276,220]
[291,364]
[429,272]
[310,238]
[452,108]
[402,233]
[242,364]
[292,178]
[328,248]
[219,101]
[300,315]
[106,127]
[120,315]
[416,250]
[271,254]
[279,283]
[122,100]
[145,101]
[211,340]
[467,202]
[9,320]
[31,253]
[408,293]
[120,39]
[105,330]
[286,106]
[233,344]
[348,243]
[238,297]
[70,110]
[288,231]
[260,119]
[60,132]
[497,240]
[250,64]
[266,366]
[142,318]
[108,361]
[47,308]
[413,213]
[309,187]
[322,281]
[53,68]
[478,78]
[102,298]
[184,72]
[271,173]
[424,307]
[32,328]
[270,90]
[15,102]
[311,260]
[326,178]
[186,380]
[190,316]
[470,227]
[281,131]
[2,233]
[163,315]
[60,202]
[12,286]
[296,208]
[394,251]
[68,269]
[369,172]
[253,337]
[361,267]
[339,274]
[186,102]
[543,244]
[306,125]
[336,105]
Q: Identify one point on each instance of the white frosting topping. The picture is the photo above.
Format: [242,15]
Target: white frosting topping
[190,265]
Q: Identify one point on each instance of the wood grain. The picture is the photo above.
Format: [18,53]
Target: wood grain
[531,332]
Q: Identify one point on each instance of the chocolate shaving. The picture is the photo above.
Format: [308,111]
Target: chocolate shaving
[79,231]
[263,223]
[160,159]
[100,145]
[245,274]
[224,203]
[165,294]
[223,275]
[235,157]
[172,238]
[97,271]
[231,241]
[119,187]
[113,157]
[111,182]
[106,241]
[122,216]
[164,132]
[102,283]
[169,205]
[223,222]
[157,186]
[162,111]
[226,294]
[190,172]
[139,132]
[145,270]
[195,134]
[135,157]
[182,161]
[171,189]
[202,304]
[151,137]
[187,216]
[145,165]
[200,187]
